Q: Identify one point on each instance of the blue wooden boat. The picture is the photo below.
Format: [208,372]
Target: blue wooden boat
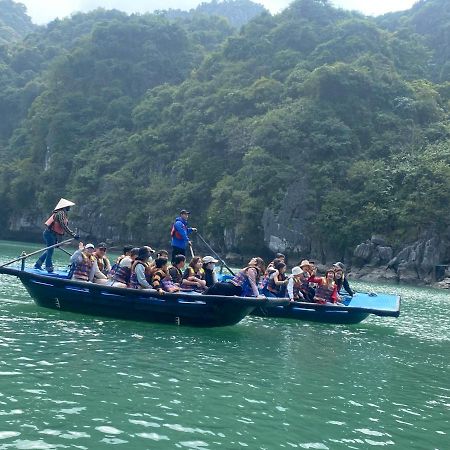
[352,309]
[56,291]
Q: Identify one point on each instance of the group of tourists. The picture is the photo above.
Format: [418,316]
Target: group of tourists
[302,284]
[137,269]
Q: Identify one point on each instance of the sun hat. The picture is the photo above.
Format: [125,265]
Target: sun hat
[296,270]
[304,263]
[63,203]
[209,259]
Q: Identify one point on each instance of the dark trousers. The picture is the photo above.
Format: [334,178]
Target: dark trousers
[227,289]
[177,251]
[50,238]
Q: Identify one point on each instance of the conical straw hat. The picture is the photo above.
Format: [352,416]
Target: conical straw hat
[63,203]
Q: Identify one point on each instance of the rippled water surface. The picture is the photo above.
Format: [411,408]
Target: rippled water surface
[71,381]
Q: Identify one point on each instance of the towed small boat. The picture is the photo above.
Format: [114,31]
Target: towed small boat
[351,310]
[56,291]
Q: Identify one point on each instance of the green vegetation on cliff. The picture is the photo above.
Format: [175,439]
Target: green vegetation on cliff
[14,22]
[136,116]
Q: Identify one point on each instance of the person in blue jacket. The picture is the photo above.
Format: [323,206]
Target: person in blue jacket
[180,234]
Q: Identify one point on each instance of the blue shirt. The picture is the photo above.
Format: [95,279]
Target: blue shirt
[180,238]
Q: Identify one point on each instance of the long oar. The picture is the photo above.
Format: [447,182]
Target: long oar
[214,253]
[37,251]
[65,251]
[192,250]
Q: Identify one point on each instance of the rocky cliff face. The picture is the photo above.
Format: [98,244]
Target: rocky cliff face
[422,262]
[425,261]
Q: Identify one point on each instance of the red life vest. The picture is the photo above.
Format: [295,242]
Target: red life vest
[83,268]
[324,292]
[55,226]
[174,232]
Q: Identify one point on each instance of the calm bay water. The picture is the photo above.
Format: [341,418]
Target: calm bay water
[71,381]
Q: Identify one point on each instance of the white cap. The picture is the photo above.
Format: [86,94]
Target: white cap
[63,203]
[89,246]
[296,270]
[209,259]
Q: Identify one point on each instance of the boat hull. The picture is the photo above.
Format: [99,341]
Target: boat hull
[56,293]
[352,309]
[311,314]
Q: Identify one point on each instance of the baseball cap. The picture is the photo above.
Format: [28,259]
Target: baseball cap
[89,246]
[209,259]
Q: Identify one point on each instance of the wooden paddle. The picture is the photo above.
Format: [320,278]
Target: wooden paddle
[37,251]
[191,249]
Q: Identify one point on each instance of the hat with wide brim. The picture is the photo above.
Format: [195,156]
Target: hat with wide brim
[305,263]
[296,271]
[63,203]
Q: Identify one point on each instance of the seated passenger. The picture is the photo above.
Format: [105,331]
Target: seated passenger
[176,271]
[138,278]
[194,275]
[126,252]
[270,269]
[307,289]
[294,285]
[278,257]
[84,264]
[326,291]
[276,285]
[159,274]
[209,270]
[244,283]
[162,254]
[102,261]
[121,271]
[341,280]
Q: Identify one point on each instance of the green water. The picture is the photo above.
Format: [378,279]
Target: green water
[71,381]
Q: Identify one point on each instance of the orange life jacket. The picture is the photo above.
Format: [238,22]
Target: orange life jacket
[83,268]
[55,226]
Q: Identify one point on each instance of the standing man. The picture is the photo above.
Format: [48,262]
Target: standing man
[180,234]
[56,226]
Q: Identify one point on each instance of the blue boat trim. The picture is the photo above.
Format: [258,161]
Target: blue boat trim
[56,291]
